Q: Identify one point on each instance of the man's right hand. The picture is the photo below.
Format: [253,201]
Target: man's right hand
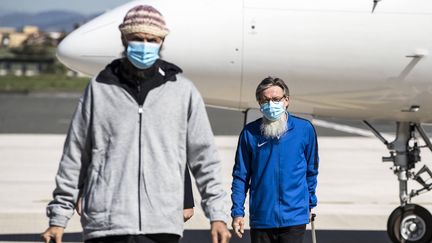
[54,233]
[238,226]
[78,208]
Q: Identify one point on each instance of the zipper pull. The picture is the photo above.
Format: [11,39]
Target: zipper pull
[140,110]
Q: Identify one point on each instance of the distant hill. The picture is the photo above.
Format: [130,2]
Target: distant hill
[57,20]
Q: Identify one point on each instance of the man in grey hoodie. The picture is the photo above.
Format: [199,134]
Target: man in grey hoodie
[137,125]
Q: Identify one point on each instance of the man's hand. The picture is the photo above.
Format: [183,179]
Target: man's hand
[220,232]
[78,206]
[187,213]
[238,226]
[54,233]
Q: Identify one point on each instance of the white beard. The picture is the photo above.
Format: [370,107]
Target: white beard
[274,129]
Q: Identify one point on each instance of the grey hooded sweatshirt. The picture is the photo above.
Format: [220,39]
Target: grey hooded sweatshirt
[127,161]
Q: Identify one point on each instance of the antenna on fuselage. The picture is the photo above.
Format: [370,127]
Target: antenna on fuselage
[375,3]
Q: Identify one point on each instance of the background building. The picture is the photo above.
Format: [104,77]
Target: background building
[28,52]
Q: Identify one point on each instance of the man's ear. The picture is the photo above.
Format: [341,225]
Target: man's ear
[287,100]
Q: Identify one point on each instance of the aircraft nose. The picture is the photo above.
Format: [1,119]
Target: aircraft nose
[66,54]
[92,46]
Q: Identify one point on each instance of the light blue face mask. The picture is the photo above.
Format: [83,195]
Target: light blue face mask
[273,110]
[142,54]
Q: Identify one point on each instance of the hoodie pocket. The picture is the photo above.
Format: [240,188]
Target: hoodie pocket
[94,201]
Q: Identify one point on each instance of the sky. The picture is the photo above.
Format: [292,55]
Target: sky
[81,6]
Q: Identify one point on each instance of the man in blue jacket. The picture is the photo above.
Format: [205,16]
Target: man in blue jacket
[277,161]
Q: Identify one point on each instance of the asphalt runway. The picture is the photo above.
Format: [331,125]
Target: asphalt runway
[42,113]
[50,113]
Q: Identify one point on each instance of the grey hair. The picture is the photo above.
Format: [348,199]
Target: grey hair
[269,82]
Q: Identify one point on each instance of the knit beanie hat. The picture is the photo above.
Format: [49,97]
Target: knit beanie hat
[144,18]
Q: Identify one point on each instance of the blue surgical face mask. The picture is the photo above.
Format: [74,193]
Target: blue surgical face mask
[142,54]
[273,110]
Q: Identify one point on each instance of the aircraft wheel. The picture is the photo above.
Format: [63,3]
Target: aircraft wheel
[410,224]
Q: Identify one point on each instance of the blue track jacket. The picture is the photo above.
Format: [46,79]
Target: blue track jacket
[281,175]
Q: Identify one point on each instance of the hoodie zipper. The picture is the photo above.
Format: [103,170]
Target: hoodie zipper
[140,111]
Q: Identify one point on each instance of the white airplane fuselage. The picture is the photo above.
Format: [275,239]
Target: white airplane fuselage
[338,58]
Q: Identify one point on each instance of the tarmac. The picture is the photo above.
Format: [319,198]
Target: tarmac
[356,191]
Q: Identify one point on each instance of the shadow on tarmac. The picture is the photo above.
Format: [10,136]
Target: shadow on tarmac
[202,236]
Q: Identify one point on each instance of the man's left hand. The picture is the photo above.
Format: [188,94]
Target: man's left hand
[187,213]
[220,232]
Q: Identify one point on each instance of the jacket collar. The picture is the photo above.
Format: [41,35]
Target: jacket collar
[161,69]
[290,121]
[115,71]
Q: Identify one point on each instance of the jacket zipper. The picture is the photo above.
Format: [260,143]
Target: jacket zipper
[140,111]
[279,185]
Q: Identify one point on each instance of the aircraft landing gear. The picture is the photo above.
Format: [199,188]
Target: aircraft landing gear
[409,223]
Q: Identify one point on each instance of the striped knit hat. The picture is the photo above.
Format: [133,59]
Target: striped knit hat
[144,18]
